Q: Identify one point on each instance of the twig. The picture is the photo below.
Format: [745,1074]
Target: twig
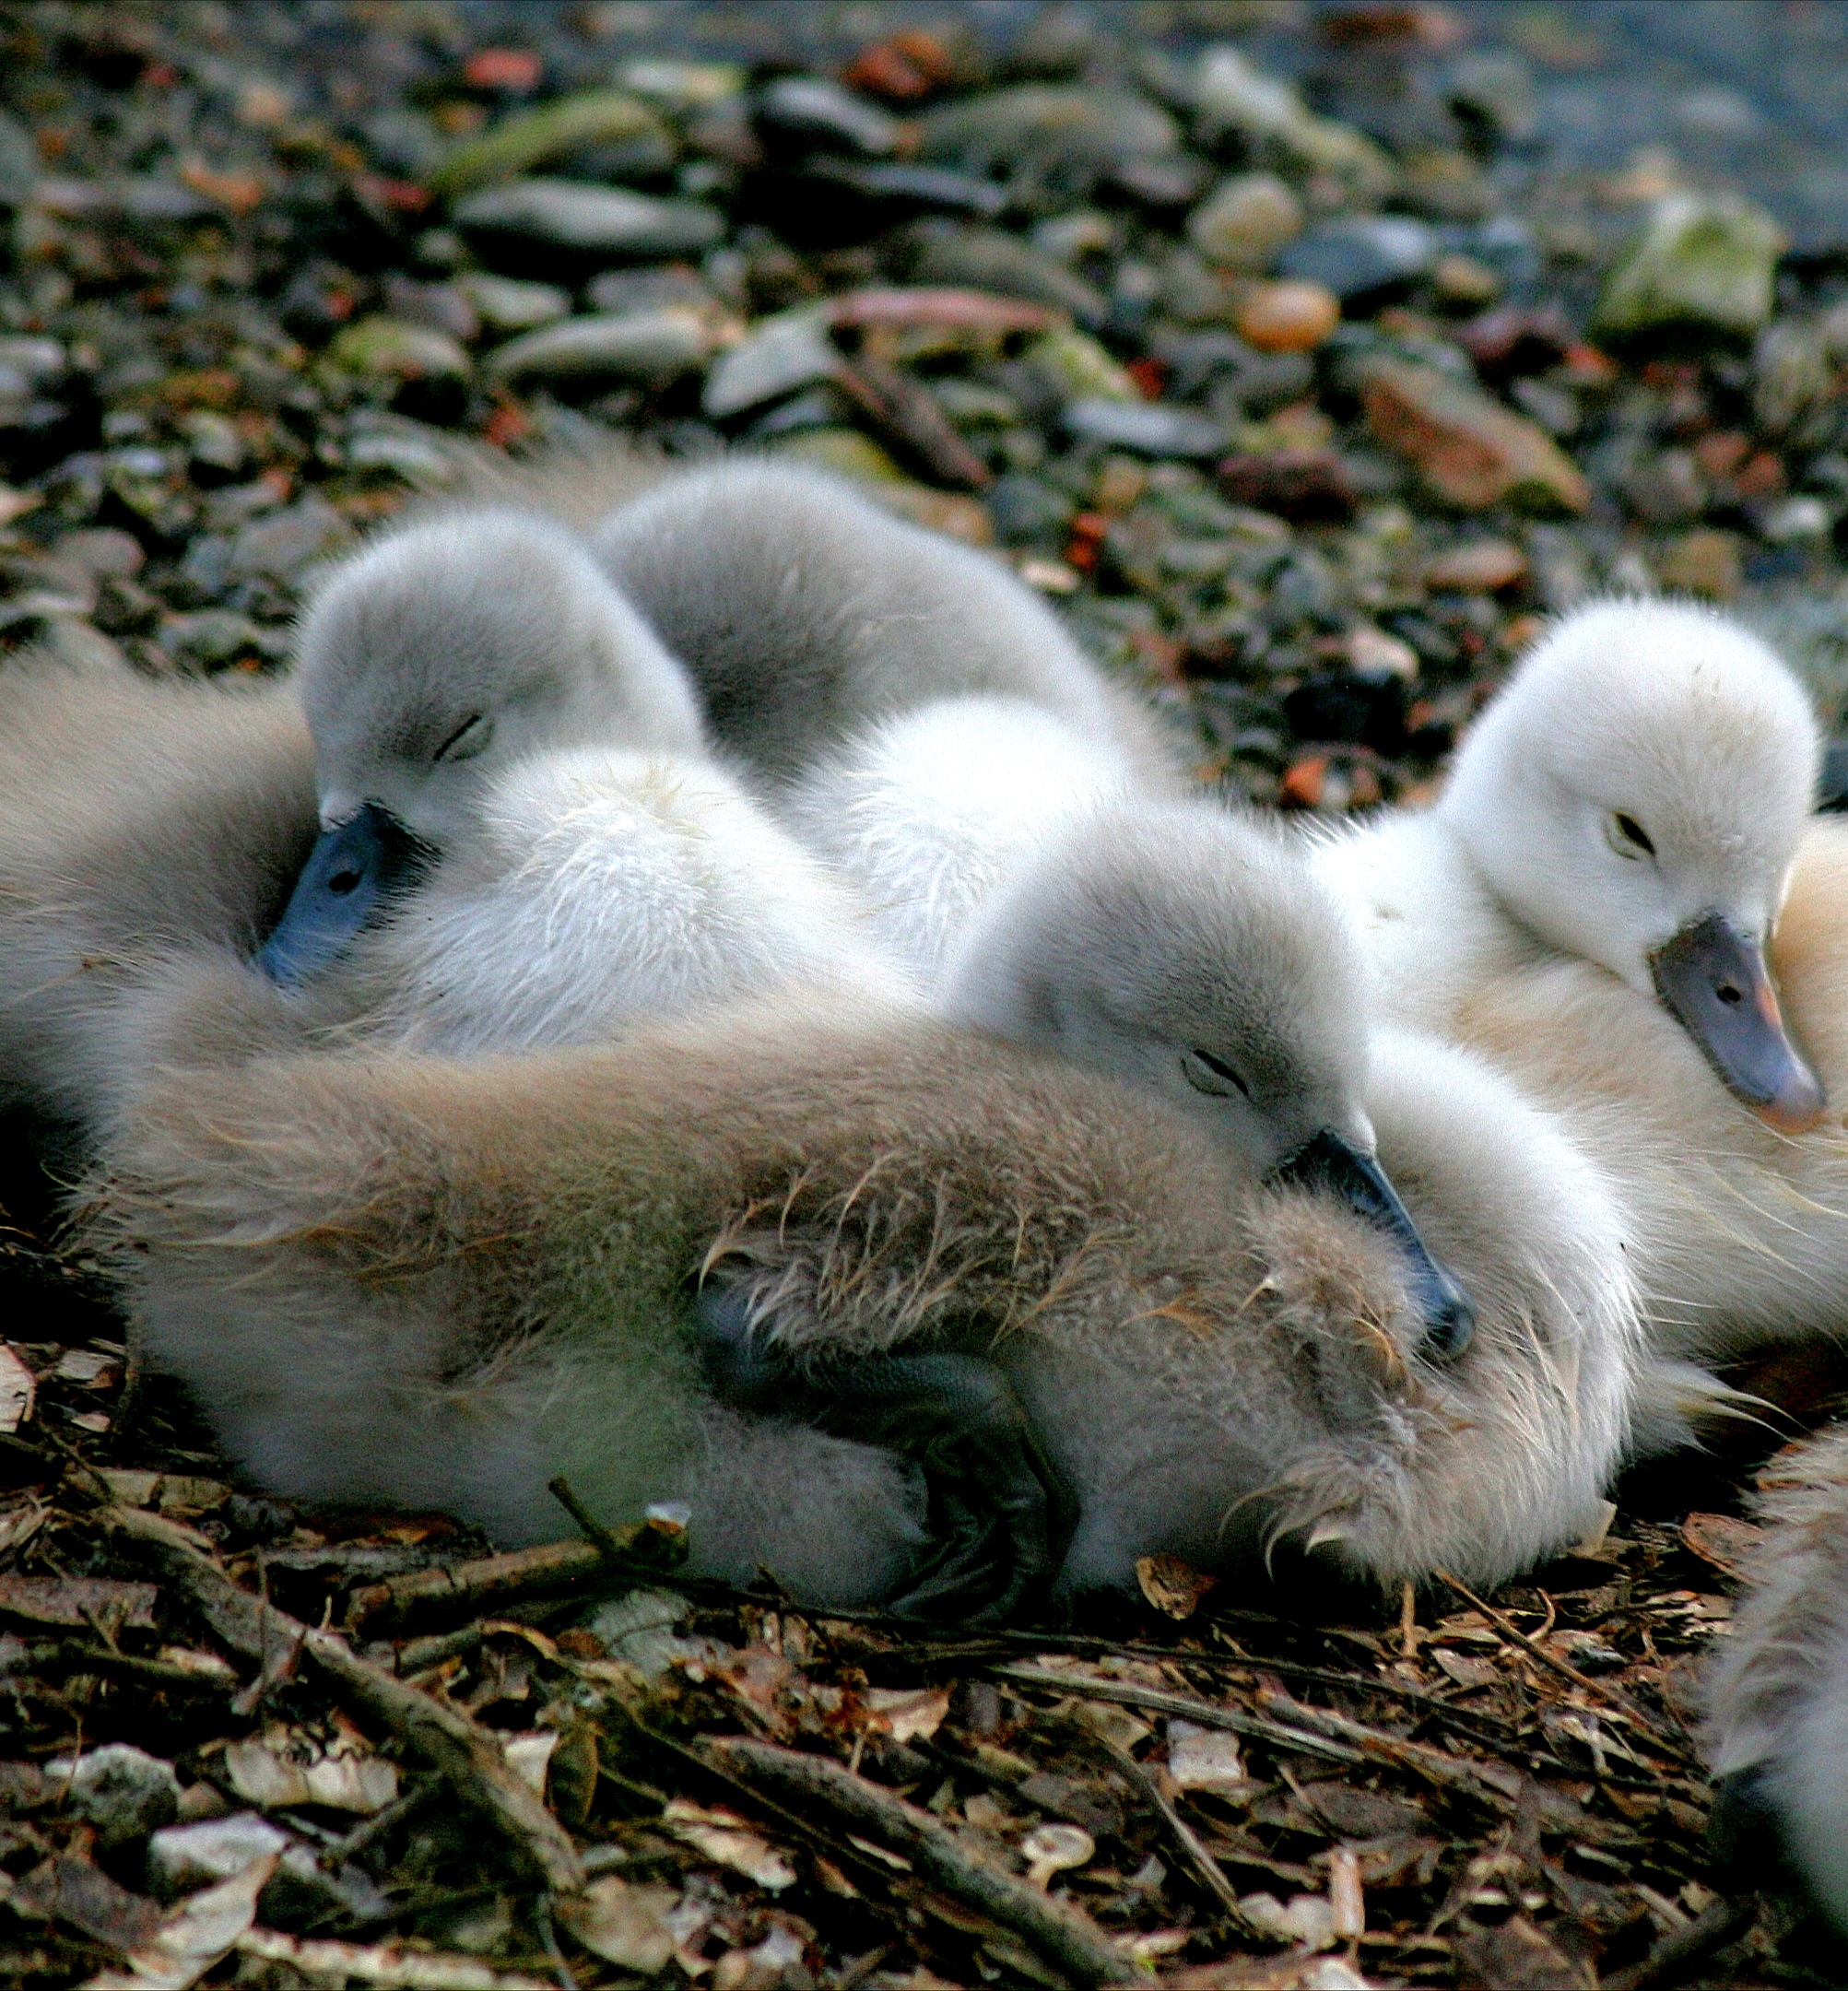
[908,412]
[464,1751]
[1620,1703]
[1207,1712]
[1680,1951]
[1058,1931]
[482,1584]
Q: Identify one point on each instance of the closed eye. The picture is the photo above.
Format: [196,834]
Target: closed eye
[469,738]
[1207,1073]
[1628,838]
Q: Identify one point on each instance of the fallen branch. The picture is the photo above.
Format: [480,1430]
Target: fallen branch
[1061,1933]
[481,1585]
[464,1751]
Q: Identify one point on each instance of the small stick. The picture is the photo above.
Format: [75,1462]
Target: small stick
[454,1744]
[1682,1950]
[1058,1930]
[1611,1698]
[491,1581]
[1207,1712]
[908,412]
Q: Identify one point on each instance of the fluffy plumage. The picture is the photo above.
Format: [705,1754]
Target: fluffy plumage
[447,650]
[1777,1696]
[478,1272]
[1517,917]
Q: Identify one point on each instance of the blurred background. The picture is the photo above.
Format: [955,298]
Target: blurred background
[1305,354]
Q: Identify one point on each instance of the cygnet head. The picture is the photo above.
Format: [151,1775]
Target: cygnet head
[1635,795]
[430,663]
[1189,953]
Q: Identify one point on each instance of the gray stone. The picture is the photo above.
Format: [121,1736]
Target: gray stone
[777,354]
[28,364]
[1078,130]
[591,119]
[508,305]
[1704,264]
[390,349]
[18,160]
[652,346]
[1228,95]
[122,1790]
[588,219]
[286,541]
[1146,429]
[990,259]
[1245,221]
[811,114]
[1493,90]
[1362,254]
[211,638]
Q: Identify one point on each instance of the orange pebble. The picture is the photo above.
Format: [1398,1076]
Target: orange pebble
[1287,317]
[1302,784]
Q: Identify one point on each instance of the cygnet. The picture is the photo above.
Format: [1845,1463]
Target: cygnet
[443,1283]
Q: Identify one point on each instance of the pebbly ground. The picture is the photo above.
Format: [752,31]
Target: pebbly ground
[1305,357]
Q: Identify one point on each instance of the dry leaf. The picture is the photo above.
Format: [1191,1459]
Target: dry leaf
[1050,1849]
[1305,1918]
[726,1837]
[18,1390]
[529,1754]
[1204,1758]
[71,1889]
[1517,1956]
[906,1713]
[1171,1585]
[1729,1545]
[384,1964]
[624,1924]
[189,1939]
[280,1768]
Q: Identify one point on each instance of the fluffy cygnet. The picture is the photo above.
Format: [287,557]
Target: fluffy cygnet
[1632,798]
[446,652]
[1629,988]
[440,1284]
[803,612]
[1777,1696]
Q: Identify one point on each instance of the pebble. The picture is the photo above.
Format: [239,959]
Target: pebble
[1361,255]
[1479,567]
[1148,428]
[121,1790]
[682,86]
[1703,265]
[531,215]
[1704,562]
[802,115]
[1461,279]
[1083,369]
[1246,221]
[287,541]
[591,119]
[651,347]
[379,347]
[505,304]
[777,355]
[1287,317]
[990,259]
[1229,95]
[1309,486]
[1078,132]
[1472,452]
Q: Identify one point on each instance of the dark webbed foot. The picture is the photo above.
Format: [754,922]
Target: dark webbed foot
[998,1510]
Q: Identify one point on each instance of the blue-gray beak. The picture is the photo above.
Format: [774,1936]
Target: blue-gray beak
[353,872]
[1327,1162]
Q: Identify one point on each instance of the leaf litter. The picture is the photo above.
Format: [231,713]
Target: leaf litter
[247,1741]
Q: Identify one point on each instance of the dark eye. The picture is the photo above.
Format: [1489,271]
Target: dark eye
[1628,838]
[468,739]
[1207,1073]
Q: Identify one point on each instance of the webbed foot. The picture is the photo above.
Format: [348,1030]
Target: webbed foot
[999,1511]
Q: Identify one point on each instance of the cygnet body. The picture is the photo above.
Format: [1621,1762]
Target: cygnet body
[1776,1733]
[479,1273]
[1599,901]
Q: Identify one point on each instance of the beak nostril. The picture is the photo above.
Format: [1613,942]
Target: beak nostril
[1727,993]
[341,882]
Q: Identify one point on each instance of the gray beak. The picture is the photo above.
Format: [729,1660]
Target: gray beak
[1712,980]
[1328,1163]
[353,872]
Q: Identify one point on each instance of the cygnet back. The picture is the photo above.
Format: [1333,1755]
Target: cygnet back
[802,611]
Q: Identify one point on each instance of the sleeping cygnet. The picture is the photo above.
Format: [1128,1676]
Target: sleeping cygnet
[438,1283]
[442,655]
[1616,888]
[1776,1731]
